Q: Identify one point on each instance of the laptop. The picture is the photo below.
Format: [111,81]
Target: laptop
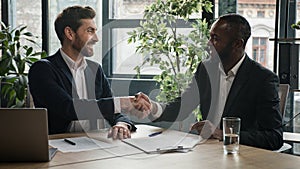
[24,135]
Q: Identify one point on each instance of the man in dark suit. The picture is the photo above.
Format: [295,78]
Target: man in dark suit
[230,84]
[74,88]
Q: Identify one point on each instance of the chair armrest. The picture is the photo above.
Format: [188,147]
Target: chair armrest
[291,137]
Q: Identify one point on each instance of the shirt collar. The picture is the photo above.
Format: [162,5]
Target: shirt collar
[72,64]
[235,68]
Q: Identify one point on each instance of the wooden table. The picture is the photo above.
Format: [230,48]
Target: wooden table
[208,155]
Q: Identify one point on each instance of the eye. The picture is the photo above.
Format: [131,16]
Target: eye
[214,38]
[91,30]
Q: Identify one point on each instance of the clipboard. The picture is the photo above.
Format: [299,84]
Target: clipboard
[166,142]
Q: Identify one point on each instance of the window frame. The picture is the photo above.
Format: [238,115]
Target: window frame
[107,36]
[258,49]
[4,11]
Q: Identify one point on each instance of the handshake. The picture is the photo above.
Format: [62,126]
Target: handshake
[139,105]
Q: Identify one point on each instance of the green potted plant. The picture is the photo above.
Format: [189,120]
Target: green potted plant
[176,54]
[17,54]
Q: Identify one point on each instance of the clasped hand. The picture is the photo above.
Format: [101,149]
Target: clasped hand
[138,105]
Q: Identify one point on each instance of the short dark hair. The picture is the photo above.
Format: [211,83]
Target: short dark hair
[240,23]
[71,17]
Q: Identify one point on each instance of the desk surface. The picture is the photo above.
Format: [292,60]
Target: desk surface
[207,155]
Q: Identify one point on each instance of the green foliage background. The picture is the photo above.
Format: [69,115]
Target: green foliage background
[177,55]
[17,51]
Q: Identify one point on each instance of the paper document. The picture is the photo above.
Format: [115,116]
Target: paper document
[165,141]
[80,144]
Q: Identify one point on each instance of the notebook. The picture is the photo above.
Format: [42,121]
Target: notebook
[24,135]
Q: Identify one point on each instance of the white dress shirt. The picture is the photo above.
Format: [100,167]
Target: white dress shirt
[226,81]
[77,69]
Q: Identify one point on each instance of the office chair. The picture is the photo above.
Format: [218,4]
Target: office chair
[28,99]
[283,94]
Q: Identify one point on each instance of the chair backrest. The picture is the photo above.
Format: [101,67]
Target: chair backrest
[29,100]
[283,94]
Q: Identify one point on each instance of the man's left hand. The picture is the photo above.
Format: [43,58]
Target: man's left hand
[119,131]
[208,130]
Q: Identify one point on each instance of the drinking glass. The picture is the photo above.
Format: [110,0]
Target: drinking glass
[231,134]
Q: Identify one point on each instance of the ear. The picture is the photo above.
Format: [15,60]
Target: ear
[69,33]
[239,43]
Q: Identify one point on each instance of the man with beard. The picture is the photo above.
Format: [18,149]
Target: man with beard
[230,84]
[74,88]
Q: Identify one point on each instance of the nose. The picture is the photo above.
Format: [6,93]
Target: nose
[95,38]
[208,45]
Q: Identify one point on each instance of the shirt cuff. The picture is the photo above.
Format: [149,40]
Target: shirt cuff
[159,111]
[117,104]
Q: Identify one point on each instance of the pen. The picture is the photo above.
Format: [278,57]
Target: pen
[155,134]
[70,142]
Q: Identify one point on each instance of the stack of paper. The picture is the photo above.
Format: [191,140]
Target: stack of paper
[166,141]
[81,144]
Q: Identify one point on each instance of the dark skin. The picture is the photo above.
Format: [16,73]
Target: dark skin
[226,44]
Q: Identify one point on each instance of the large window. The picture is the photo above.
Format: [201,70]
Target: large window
[128,9]
[27,12]
[117,17]
[259,52]
[24,13]
[124,58]
[123,17]
[261,16]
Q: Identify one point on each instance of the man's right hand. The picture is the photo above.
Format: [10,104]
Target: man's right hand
[207,130]
[139,105]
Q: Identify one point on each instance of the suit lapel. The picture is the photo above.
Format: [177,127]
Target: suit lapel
[61,64]
[90,82]
[90,87]
[239,81]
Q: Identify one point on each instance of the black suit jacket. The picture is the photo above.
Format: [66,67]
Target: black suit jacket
[253,97]
[52,86]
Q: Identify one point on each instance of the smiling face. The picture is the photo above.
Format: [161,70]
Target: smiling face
[85,38]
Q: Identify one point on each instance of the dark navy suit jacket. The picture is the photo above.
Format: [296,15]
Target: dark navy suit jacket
[52,86]
[253,97]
